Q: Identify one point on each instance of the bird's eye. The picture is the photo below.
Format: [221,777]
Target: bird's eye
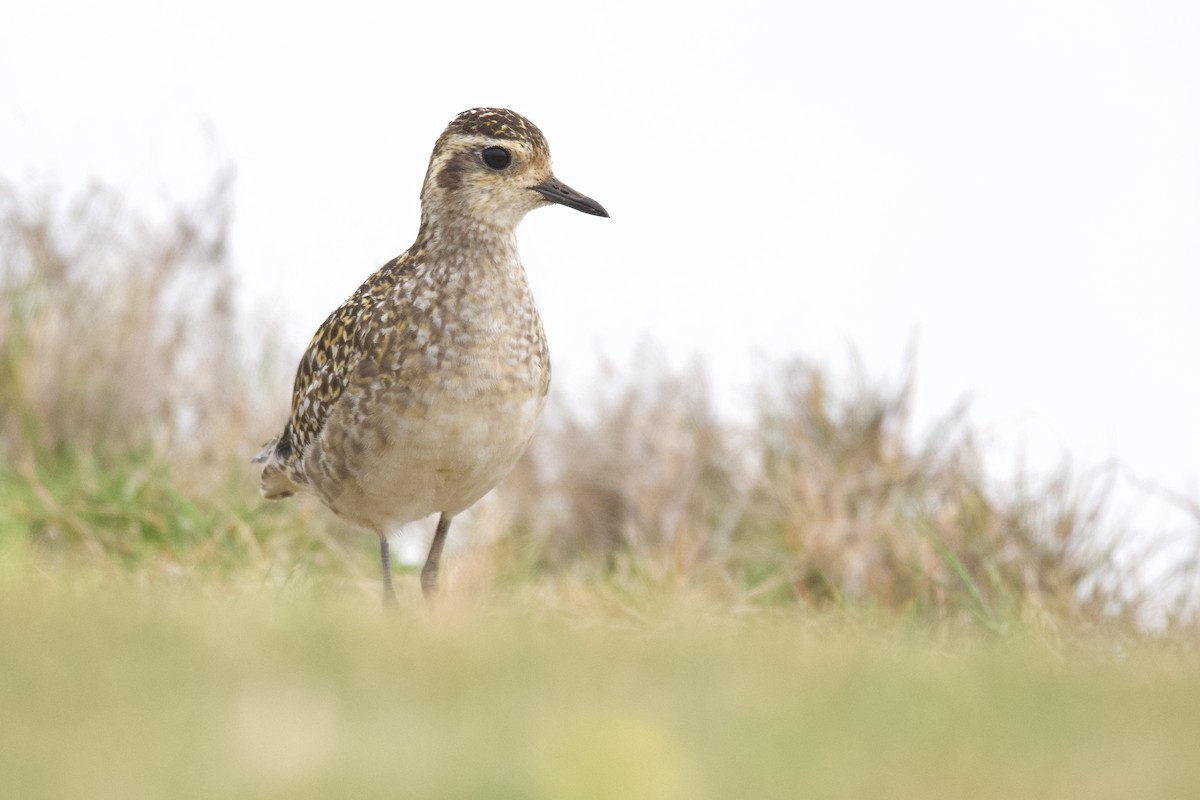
[496,157]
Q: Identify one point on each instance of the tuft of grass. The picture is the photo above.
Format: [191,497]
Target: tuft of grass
[824,499]
[128,402]
[117,332]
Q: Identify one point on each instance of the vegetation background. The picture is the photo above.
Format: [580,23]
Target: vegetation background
[658,602]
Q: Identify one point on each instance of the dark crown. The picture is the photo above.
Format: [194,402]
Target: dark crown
[495,123]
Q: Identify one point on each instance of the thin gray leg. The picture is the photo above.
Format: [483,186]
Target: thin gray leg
[385,558]
[429,573]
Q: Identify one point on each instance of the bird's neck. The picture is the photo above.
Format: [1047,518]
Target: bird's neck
[448,238]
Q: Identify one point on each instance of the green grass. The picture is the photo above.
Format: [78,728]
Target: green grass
[109,688]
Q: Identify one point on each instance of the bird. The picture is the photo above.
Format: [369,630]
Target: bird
[419,393]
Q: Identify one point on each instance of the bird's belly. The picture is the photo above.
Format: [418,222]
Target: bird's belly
[441,457]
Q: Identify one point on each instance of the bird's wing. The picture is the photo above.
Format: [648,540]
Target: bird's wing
[328,365]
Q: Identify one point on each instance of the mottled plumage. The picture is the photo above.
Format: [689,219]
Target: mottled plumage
[420,392]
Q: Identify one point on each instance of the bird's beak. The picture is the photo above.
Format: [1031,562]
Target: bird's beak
[556,191]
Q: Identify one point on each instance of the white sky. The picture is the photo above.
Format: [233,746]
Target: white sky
[1017,185]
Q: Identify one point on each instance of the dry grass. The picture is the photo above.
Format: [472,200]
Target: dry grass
[824,499]
[117,334]
[130,401]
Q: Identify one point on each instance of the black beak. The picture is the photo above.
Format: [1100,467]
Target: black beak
[556,191]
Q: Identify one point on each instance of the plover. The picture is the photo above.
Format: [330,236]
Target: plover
[421,391]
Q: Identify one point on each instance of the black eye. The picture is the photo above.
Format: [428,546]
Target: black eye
[496,157]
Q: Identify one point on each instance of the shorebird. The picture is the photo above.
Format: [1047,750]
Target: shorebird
[420,392]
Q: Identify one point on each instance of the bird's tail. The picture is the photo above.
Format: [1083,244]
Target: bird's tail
[275,483]
[267,451]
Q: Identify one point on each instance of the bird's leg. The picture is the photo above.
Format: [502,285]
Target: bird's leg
[429,573]
[385,558]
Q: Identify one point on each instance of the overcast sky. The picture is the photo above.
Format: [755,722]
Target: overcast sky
[1017,185]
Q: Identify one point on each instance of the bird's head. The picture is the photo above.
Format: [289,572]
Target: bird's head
[492,166]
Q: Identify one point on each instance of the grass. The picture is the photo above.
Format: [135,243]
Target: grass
[119,690]
[130,402]
[657,603]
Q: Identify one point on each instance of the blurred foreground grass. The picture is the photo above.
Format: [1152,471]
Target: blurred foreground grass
[118,690]
[657,603]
